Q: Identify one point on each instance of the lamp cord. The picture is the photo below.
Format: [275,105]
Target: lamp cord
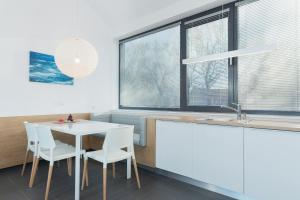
[76,18]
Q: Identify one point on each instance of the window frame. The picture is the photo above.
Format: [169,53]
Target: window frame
[232,67]
[161,28]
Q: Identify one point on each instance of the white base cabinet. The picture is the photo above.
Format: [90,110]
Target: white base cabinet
[208,153]
[218,156]
[263,164]
[174,153]
[272,164]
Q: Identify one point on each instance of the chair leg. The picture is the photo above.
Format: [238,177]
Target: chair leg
[24,164]
[114,169]
[33,170]
[128,168]
[48,181]
[68,166]
[104,182]
[69,163]
[136,173]
[84,174]
[87,174]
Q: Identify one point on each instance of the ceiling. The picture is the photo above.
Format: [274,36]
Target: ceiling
[127,10]
[125,16]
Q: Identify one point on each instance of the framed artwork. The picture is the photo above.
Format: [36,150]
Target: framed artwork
[42,68]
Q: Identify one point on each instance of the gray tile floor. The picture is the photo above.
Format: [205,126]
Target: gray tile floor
[154,187]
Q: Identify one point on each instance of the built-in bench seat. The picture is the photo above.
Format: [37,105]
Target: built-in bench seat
[138,121]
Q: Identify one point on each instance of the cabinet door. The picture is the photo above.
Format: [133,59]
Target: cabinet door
[218,156]
[272,164]
[174,147]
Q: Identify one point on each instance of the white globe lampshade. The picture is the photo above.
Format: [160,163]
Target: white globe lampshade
[76,57]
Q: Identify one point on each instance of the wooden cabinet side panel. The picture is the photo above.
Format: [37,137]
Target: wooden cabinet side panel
[146,155]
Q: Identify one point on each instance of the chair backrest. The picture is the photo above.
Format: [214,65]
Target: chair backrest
[119,138]
[45,137]
[30,132]
[139,122]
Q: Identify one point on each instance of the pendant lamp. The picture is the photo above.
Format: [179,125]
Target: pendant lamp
[75,56]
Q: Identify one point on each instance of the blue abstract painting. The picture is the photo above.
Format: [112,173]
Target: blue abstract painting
[44,70]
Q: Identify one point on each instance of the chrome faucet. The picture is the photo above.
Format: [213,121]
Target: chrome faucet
[238,109]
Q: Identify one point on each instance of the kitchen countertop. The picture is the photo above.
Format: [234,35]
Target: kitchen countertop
[265,123]
[272,122]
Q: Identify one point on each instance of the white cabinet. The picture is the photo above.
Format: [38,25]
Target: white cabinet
[174,147]
[272,164]
[218,156]
[208,153]
[265,163]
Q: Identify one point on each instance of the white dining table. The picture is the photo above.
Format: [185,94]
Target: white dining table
[82,128]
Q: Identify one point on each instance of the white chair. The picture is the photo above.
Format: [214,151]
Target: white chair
[32,145]
[49,151]
[114,143]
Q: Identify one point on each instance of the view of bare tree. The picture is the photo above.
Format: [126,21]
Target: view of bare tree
[151,71]
[206,80]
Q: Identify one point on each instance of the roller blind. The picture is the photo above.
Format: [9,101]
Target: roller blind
[269,81]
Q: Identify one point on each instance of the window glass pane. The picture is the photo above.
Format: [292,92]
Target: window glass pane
[269,81]
[150,70]
[207,83]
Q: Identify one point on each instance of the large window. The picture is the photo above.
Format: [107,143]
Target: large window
[152,75]
[150,70]
[270,81]
[207,83]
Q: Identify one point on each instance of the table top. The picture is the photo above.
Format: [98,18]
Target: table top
[83,127]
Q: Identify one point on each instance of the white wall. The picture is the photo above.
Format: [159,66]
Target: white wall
[40,25]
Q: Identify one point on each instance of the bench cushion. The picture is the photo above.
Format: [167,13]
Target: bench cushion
[139,123]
